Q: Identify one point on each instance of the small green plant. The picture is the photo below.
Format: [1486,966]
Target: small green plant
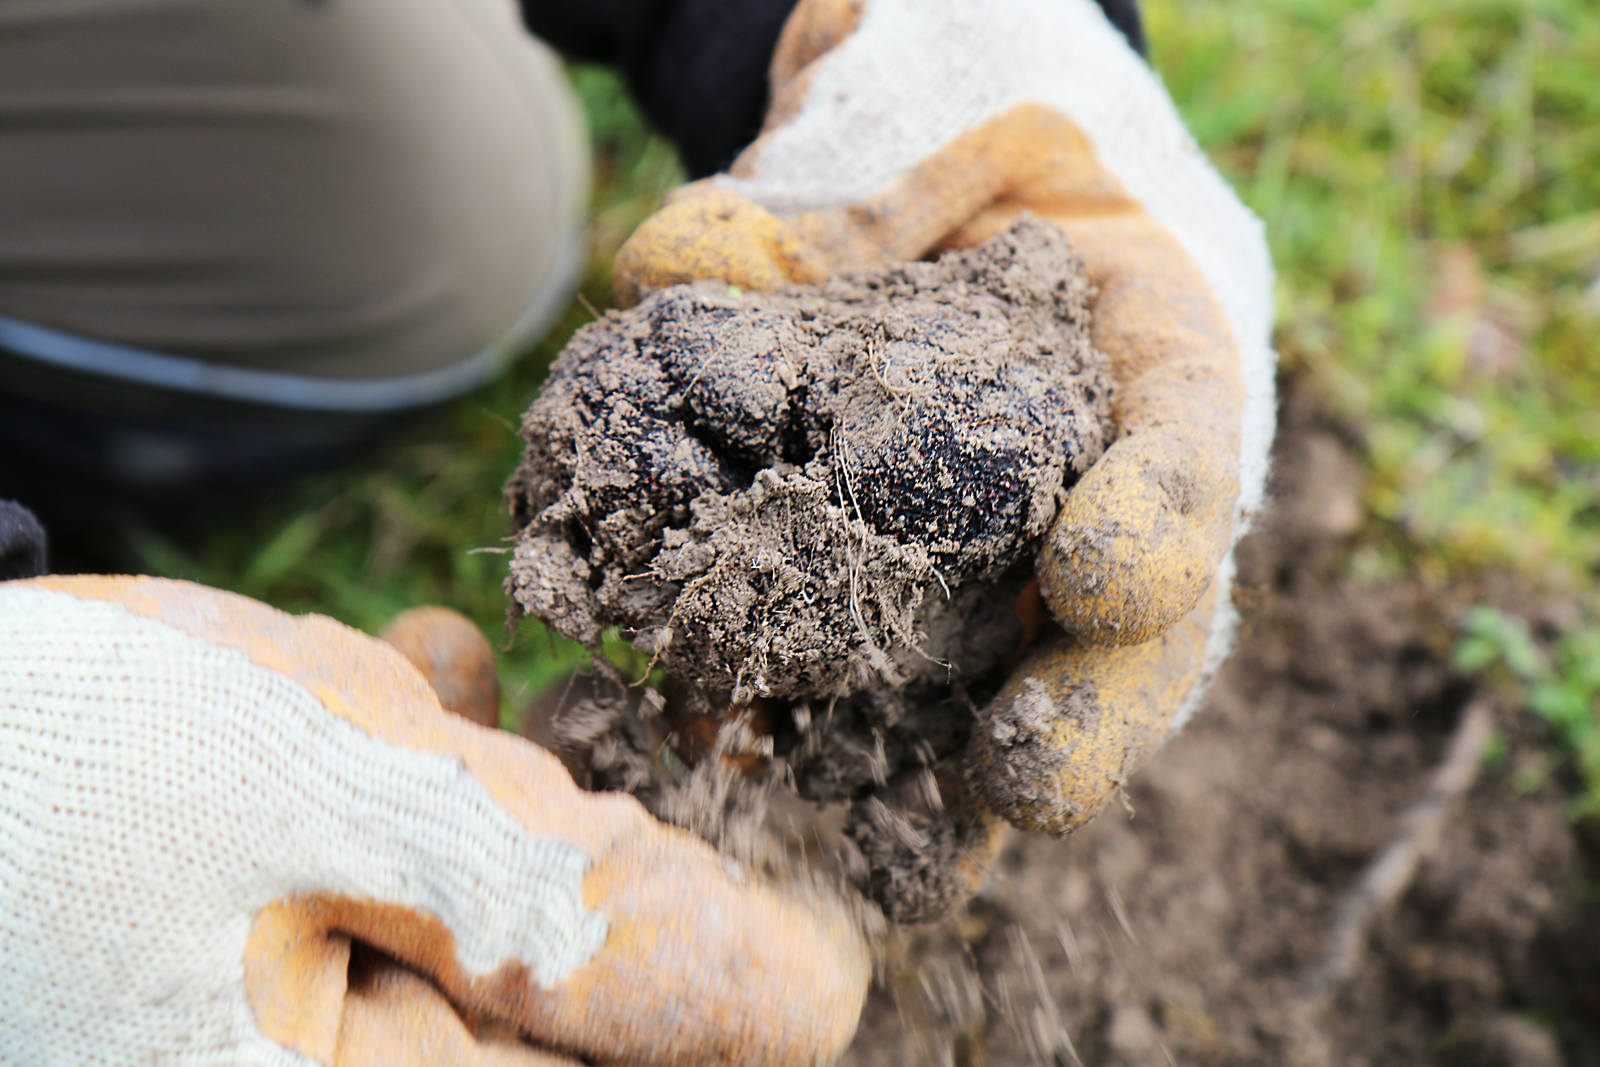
[1561,685]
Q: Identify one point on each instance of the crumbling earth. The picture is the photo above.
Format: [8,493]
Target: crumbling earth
[818,509]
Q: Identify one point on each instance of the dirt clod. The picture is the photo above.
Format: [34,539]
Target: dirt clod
[817,508]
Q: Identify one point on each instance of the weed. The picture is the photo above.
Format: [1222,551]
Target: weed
[1561,686]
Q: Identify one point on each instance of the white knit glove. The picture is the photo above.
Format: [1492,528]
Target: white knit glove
[204,802]
[900,128]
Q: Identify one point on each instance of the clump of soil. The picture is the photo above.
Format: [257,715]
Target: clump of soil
[799,494]
[817,507]
[1181,930]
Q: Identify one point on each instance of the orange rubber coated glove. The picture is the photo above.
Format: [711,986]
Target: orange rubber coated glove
[234,836]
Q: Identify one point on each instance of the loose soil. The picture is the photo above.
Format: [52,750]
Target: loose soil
[1179,930]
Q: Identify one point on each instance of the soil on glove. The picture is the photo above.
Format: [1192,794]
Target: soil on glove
[818,507]
[1179,930]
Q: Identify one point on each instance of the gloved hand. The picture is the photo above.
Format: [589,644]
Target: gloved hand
[205,803]
[901,128]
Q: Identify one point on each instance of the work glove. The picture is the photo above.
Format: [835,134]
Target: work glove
[899,129]
[233,836]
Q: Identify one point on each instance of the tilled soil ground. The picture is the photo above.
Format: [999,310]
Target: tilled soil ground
[1179,929]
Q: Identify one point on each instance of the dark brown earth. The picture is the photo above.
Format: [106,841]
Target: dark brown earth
[1180,929]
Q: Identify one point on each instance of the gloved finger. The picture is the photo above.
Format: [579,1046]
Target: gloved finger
[393,1017]
[1140,536]
[1075,721]
[708,231]
[328,780]
[455,658]
[813,29]
[1139,539]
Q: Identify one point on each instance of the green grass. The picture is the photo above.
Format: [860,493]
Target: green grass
[1389,145]
[1561,686]
[1379,141]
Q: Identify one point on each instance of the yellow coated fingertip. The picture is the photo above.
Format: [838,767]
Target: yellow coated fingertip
[1075,721]
[455,658]
[707,962]
[709,232]
[1139,539]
